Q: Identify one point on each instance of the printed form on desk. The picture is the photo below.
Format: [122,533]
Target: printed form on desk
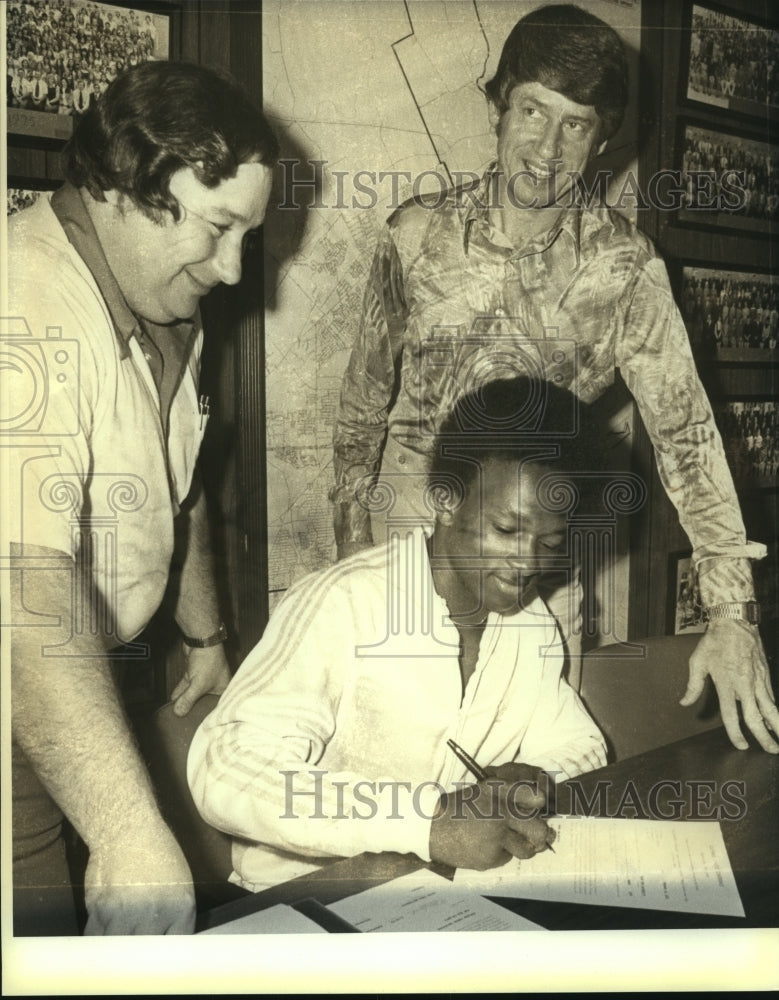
[424,901]
[278,919]
[652,864]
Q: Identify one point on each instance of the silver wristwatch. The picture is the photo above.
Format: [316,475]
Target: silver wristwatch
[743,611]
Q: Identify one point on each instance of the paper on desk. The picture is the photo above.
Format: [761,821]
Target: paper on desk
[278,919]
[423,901]
[653,864]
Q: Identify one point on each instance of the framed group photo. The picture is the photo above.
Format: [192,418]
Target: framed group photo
[61,55]
[686,610]
[22,192]
[749,430]
[731,62]
[730,179]
[731,315]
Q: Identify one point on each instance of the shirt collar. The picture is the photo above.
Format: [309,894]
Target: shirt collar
[69,207]
[477,212]
[478,205]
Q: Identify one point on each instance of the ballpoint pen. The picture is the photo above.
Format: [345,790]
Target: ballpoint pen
[478,772]
[469,762]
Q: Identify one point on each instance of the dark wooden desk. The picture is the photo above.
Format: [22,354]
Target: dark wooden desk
[702,777]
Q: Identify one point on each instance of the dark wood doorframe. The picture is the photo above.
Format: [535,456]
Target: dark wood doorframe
[245,20]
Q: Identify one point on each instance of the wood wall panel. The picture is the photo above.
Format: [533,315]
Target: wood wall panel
[250,361]
[215,34]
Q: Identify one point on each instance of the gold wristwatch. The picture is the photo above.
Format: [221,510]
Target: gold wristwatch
[743,611]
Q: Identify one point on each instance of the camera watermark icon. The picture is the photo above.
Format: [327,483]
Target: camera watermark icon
[32,368]
[40,394]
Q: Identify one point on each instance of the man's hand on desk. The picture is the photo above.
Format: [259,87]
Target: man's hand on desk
[206,671]
[140,885]
[732,652]
[481,826]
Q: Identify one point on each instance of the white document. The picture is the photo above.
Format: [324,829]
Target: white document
[423,901]
[653,864]
[279,919]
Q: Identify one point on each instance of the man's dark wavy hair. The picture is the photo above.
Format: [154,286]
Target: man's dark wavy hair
[511,418]
[157,118]
[571,51]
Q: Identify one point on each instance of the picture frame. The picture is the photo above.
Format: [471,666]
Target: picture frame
[21,192]
[749,426]
[729,178]
[726,61]
[685,611]
[731,313]
[56,69]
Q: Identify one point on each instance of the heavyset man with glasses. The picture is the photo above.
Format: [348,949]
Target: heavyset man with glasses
[167,175]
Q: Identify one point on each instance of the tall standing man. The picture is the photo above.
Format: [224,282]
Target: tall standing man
[508,275]
[167,176]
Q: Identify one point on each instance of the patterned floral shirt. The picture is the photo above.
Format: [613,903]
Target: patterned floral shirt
[451,304]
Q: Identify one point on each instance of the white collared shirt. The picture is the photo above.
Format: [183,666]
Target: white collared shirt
[87,448]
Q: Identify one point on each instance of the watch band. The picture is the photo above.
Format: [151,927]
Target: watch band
[210,640]
[744,611]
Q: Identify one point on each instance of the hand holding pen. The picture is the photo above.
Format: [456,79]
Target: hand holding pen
[527,787]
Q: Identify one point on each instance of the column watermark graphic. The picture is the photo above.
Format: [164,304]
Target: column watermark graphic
[453,365]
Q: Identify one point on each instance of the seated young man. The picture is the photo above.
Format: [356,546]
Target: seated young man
[331,739]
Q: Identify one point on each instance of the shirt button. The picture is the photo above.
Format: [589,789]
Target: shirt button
[147,356]
[401,459]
